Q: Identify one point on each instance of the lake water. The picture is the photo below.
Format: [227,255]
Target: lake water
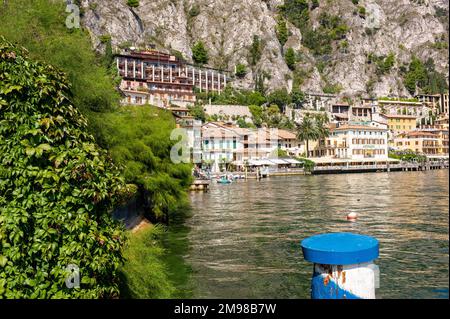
[242,240]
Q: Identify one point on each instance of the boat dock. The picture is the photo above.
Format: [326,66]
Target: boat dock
[385,167]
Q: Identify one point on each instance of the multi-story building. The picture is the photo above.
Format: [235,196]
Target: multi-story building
[161,78]
[419,109]
[353,141]
[340,112]
[288,142]
[438,102]
[319,101]
[398,123]
[421,142]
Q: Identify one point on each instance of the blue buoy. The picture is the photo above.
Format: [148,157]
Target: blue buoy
[343,265]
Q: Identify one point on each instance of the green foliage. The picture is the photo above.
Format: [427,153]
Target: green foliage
[362,11]
[424,77]
[281,153]
[40,27]
[408,156]
[383,64]
[198,112]
[144,274]
[290,58]
[282,30]
[232,96]
[385,98]
[194,11]
[313,127]
[331,28]
[133,3]
[279,97]
[242,123]
[355,2]
[297,97]
[199,53]
[139,139]
[257,114]
[296,11]
[57,188]
[332,88]
[241,70]
[275,119]
[307,164]
[255,51]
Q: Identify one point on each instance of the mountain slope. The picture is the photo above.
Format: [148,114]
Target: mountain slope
[373,29]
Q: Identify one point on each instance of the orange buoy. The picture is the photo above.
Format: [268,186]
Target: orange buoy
[352,217]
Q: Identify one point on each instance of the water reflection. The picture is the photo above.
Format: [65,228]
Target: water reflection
[244,237]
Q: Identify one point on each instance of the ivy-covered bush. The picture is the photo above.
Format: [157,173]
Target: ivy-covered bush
[57,188]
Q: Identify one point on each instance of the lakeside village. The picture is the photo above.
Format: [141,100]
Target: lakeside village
[371,134]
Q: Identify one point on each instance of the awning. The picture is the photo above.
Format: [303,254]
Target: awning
[278,161]
[260,162]
[292,161]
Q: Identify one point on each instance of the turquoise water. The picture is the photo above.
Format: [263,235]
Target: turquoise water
[242,240]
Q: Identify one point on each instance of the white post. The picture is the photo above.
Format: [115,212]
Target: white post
[153,73]
[206,80]
[200,79]
[218,82]
[118,67]
[170,74]
[162,73]
[134,69]
[126,67]
[142,70]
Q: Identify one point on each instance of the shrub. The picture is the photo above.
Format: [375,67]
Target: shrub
[139,140]
[144,275]
[194,11]
[199,53]
[241,70]
[282,30]
[290,59]
[255,51]
[57,188]
[133,3]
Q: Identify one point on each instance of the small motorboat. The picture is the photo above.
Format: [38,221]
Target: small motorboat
[223,180]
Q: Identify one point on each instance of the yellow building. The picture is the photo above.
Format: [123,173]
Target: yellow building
[400,123]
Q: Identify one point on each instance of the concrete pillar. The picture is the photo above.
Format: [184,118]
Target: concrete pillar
[206,80]
[225,80]
[218,82]
[162,73]
[200,79]
[134,69]
[142,70]
[170,74]
[153,73]
[118,67]
[343,265]
[126,67]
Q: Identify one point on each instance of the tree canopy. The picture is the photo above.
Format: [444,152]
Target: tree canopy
[138,139]
[199,53]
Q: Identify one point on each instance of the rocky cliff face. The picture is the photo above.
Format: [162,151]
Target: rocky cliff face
[227,27]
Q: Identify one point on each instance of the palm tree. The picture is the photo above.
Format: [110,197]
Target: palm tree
[306,131]
[322,128]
